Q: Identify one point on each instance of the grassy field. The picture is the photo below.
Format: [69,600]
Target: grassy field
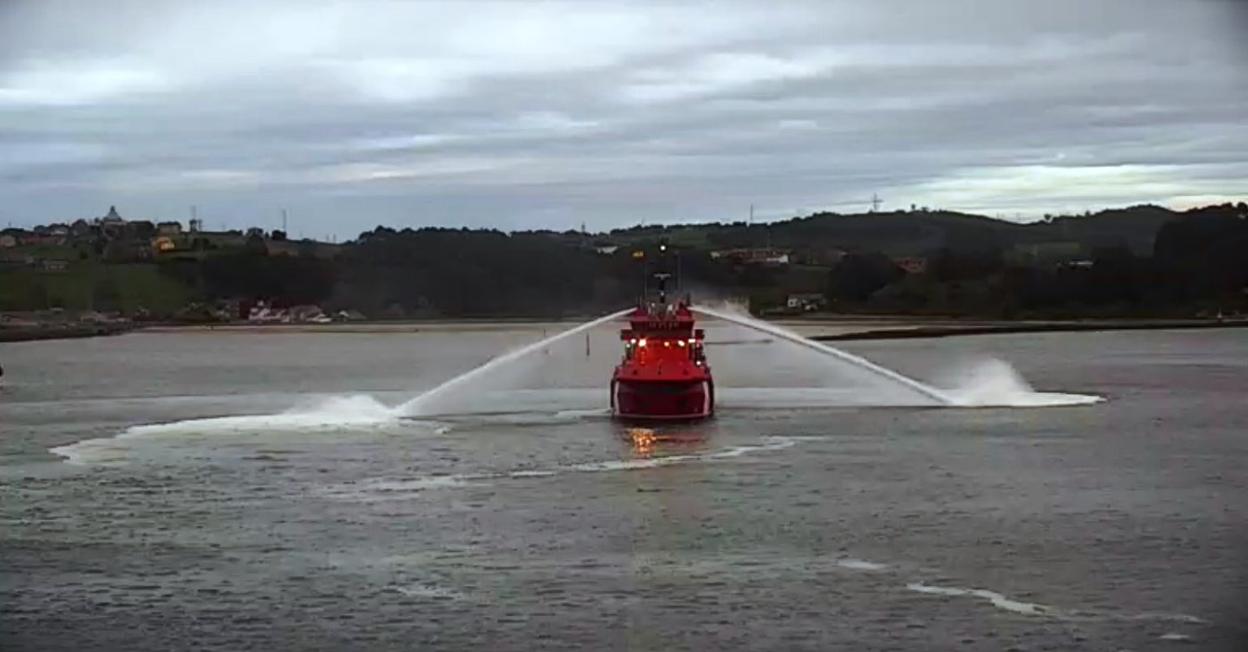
[91,285]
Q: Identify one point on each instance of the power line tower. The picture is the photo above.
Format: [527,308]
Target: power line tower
[875,203]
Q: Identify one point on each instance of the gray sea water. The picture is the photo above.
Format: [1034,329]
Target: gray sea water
[229,491]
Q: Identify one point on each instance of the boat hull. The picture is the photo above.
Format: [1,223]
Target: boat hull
[662,400]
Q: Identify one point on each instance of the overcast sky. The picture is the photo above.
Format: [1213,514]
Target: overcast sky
[517,115]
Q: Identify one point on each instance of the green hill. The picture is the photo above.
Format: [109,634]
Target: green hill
[901,261]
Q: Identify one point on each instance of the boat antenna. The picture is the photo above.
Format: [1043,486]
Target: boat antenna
[662,277]
[645,279]
[664,271]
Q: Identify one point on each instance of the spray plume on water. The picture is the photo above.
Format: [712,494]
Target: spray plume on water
[983,383]
[994,383]
[431,401]
[989,383]
[358,411]
[862,364]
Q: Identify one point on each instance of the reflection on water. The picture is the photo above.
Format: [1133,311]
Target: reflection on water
[553,525]
[680,439]
[642,440]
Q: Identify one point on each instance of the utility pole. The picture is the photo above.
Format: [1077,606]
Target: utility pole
[875,203]
[283,220]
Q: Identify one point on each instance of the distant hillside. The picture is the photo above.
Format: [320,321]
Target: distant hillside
[1134,227]
[914,233]
[1136,261]
[896,233]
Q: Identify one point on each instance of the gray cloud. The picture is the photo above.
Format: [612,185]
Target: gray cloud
[549,115]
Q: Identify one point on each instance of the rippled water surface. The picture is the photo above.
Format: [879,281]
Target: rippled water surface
[237,490]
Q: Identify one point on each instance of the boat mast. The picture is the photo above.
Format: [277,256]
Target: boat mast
[662,275]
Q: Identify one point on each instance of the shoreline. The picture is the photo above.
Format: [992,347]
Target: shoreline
[378,327]
[10,334]
[822,329]
[1006,328]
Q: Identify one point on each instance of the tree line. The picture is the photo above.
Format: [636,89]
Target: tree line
[1135,262]
[1197,263]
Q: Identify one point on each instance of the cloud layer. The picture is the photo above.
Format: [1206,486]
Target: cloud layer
[551,115]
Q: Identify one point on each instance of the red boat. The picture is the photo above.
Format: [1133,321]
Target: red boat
[664,374]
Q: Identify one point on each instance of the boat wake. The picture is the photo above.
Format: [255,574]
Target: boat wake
[383,489]
[1005,603]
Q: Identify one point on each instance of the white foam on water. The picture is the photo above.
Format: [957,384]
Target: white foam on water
[1174,636]
[426,591]
[779,398]
[332,413]
[313,414]
[531,474]
[1034,609]
[584,414]
[999,601]
[769,444]
[419,484]
[1174,618]
[391,489]
[860,564]
[104,450]
[985,383]
[990,382]
[386,489]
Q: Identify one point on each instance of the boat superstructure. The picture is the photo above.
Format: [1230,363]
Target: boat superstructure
[664,374]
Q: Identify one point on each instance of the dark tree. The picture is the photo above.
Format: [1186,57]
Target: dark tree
[858,276]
